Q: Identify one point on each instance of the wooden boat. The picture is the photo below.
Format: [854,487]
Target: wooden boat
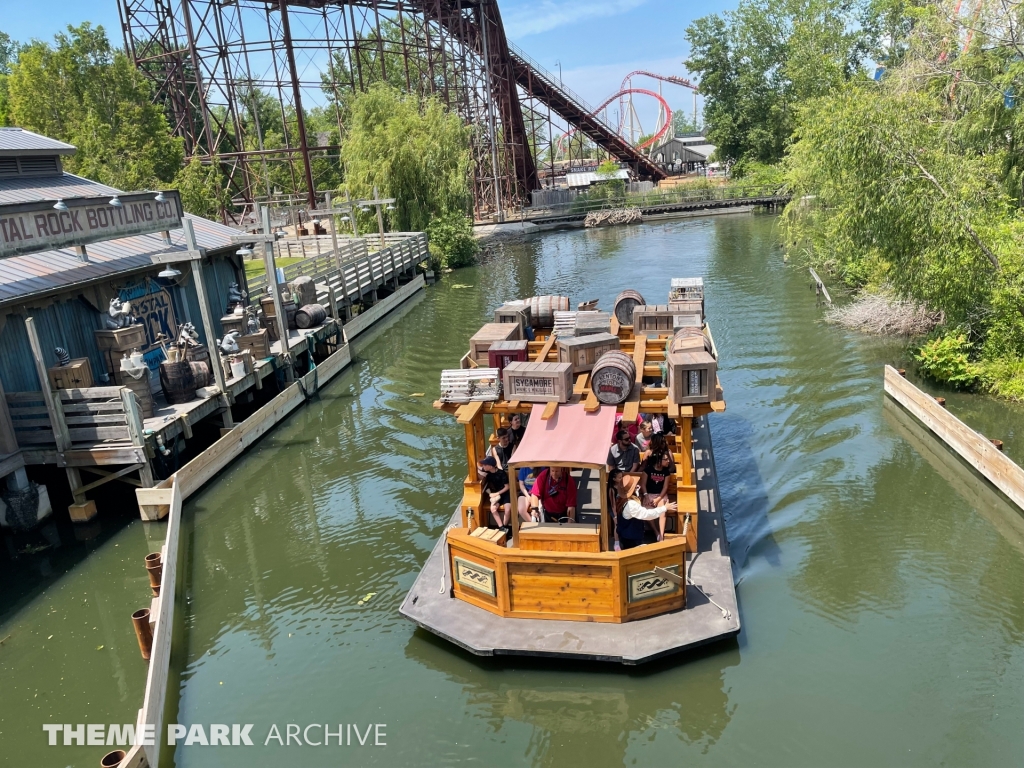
[558,588]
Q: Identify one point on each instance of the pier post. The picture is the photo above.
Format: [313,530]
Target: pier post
[271,269]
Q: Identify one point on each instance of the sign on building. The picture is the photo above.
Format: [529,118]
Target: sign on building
[38,226]
[152,304]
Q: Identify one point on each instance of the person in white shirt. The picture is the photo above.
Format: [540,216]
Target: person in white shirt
[629,514]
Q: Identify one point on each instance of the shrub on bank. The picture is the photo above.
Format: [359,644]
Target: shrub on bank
[945,359]
[451,241]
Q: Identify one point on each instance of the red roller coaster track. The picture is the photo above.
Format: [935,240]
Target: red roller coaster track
[623,92]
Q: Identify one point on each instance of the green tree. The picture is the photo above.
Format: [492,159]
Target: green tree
[758,62]
[202,189]
[409,148]
[81,91]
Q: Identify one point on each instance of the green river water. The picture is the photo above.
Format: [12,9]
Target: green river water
[881,584]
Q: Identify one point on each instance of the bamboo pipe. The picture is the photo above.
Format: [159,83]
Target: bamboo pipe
[112,759]
[154,568]
[143,632]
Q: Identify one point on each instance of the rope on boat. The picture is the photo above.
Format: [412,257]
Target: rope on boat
[726,614]
[444,561]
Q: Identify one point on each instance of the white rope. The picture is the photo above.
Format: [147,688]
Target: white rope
[726,614]
[445,552]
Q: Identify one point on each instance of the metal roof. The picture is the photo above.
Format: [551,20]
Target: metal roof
[589,177]
[46,272]
[18,141]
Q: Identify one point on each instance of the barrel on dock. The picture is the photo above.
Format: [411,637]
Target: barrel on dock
[613,377]
[543,308]
[310,315]
[201,374]
[178,383]
[625,303]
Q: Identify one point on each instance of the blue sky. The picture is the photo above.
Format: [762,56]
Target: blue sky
[597,42]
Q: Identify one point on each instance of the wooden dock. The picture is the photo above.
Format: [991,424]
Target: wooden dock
[701,622]
[974,448]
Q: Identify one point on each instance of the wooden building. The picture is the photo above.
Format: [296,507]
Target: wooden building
[64,292]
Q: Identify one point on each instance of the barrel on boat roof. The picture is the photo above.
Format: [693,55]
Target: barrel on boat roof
[310,315]
[178,383]
[613,377]
[543,308]
[624,305]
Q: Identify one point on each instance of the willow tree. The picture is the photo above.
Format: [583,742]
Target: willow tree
[409,148]
[914,182]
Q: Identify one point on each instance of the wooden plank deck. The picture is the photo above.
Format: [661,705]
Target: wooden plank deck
[636,642]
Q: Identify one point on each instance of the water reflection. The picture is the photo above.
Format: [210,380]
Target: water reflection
[591,715]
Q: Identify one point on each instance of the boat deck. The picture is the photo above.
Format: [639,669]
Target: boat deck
[701,622]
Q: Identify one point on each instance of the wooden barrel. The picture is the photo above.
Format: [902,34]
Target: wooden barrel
[689,339]
[310,315]
[625,303]
[543,308]
[201,373]
[178,383]
[613,377]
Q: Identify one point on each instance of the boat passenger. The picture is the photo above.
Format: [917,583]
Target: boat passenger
[623,455]
[495,484]
[630,514]
[555,489]
[659,447]
[525,479]
[654,476]
[502,450]
[643,437]
[516,430]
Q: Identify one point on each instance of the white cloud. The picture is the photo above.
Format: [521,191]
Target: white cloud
[536,17]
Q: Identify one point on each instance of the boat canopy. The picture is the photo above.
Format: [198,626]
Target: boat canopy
[571,437]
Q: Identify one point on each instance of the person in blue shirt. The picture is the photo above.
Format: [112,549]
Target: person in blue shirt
[525,477]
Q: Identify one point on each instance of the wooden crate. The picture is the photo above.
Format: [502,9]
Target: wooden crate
[230,323]
[583,351]
[686,289]
[143,392]
[687,320]
[75,375]
[691,377]
[487,335]
[689,307]
[538,382]
[654,320]
[514,312]
[589,322]
[121,340]
[257,343]
[501,353]
[460,385]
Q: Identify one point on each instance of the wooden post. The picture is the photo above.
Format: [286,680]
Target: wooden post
[136,428]
[352,218]
[380,217]
[60,429]
[282,322]
[334,237]
[601,508]
[8,440]
[204,310]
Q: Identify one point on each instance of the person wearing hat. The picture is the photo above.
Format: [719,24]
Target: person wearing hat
[495,484]
[629,514]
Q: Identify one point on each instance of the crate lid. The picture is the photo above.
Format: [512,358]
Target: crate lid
[509,346]
[687,282]
[590,340]
[495,331]
[534,367]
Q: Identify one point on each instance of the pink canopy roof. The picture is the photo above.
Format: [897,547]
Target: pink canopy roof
[571,436]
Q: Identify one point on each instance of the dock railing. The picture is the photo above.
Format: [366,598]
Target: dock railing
[363,267]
